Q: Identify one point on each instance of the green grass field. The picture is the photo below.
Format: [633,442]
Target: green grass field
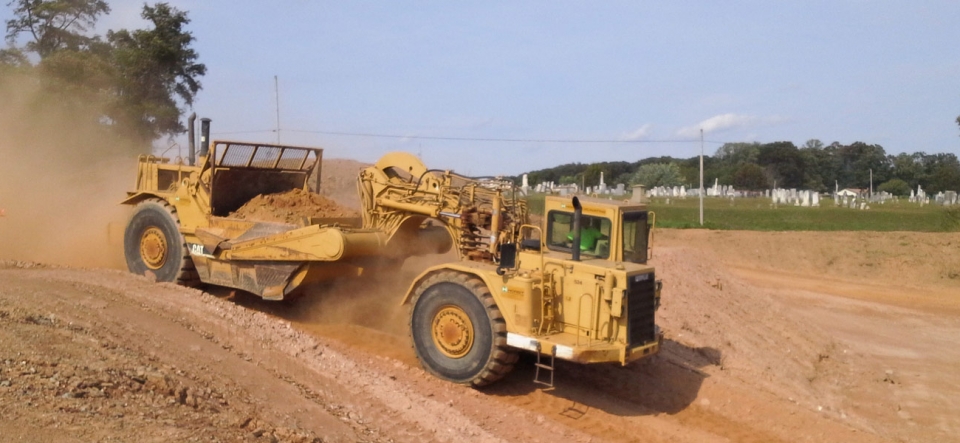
[757,214]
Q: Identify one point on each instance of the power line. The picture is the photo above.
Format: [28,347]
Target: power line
[472,139]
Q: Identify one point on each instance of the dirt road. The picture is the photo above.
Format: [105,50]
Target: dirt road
[757,350]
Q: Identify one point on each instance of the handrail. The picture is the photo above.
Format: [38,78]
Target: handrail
[653,225]
[580,318]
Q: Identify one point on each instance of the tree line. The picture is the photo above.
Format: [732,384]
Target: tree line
[138,82]
[759,166]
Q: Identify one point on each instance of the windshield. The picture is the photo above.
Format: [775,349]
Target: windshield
[635,237]
[594,234]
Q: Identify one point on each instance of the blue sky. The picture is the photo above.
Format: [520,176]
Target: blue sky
[881,72]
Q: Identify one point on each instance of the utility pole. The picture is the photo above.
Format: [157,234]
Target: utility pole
[276,90]
[701,176]
[871,182]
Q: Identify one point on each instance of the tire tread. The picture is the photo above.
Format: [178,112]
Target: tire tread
[187,275]
[502,357]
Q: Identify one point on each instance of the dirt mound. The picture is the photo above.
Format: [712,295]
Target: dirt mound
[291,207]
[743,329]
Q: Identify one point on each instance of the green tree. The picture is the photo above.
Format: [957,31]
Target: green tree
[750,176]
[830,166]
[726,161]
[569,180]
[80,76]
[136,82]
[860,160]
[658,174]
[944,173]
[556,173]
[908,167]
[737,153]
[895,187]
[812,178]
[783,164]
[813,144]
[155,67]
[623,178]
[690,171]
[53,25]
[13,58]
[591,176]
[820,165]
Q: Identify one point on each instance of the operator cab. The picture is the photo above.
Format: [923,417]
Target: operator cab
[609,230]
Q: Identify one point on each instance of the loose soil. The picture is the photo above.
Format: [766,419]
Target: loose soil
[770,337]
[291,207]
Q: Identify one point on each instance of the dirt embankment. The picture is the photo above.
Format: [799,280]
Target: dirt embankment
[860,323]
[914,259]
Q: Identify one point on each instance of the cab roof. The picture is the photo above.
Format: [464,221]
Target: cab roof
[622,205]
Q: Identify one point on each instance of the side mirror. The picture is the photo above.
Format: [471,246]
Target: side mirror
[508,258]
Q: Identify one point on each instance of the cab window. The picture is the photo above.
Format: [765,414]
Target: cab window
[594,234]
[635,233]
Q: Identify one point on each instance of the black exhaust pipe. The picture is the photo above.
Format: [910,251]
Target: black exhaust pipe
[577,211]
[192,133]
[204,137]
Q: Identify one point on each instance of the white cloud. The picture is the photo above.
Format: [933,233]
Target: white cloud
[723,122]
[638,134]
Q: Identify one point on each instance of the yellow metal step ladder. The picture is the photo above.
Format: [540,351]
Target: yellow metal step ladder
[546,367]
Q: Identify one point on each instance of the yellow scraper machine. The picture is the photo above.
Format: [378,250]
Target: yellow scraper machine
[577,287]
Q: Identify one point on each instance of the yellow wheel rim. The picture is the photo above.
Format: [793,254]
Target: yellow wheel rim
[153,248]
[452,331]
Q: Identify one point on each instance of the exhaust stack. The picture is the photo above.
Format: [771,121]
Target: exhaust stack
[204,137]
[192,133]
[577,212]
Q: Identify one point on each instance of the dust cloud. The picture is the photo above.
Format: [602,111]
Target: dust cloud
[362,312]
[62,175]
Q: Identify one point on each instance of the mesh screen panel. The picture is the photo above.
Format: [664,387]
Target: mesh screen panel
[294,158]
[235,155]
[266,157]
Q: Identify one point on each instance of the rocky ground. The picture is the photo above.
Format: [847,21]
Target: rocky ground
[770,337]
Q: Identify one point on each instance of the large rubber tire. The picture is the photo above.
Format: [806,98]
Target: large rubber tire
[458,332]
[152,243]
